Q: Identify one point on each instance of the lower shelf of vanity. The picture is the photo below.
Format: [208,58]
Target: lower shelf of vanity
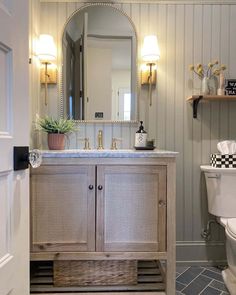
[150,278]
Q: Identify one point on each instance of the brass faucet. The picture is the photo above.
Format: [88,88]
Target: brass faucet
[100,140]
[113,143]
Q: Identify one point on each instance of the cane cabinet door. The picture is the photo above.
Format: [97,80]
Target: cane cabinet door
[131,208]
[63,208]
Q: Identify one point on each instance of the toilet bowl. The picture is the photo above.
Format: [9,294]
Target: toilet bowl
[221,196]
[229,275]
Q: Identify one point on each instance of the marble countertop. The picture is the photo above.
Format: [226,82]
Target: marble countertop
[131,153]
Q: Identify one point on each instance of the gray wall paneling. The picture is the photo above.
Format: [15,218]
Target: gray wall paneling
[187,33]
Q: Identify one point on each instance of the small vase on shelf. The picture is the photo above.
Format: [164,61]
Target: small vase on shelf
[209,77]
[213,85]
[205,89]
[221,89]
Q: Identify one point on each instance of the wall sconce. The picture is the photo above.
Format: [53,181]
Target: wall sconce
[150,54]
[46,52]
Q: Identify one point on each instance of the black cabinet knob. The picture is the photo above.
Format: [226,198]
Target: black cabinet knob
[100,187]
[91,187]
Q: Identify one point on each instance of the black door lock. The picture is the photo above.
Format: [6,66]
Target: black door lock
[22,158]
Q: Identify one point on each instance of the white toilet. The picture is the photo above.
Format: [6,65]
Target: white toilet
[221,193]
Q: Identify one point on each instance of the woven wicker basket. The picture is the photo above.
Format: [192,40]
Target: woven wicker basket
[95,272]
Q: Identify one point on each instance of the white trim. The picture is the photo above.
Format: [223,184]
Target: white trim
[204,2]
[5,259]
[5,8]
[5,135]
[5,172]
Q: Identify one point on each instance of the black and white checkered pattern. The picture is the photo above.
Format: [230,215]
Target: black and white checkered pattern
[223,161]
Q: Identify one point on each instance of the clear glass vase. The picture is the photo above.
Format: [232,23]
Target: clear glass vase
[209,86]
[213,85]
[205,89]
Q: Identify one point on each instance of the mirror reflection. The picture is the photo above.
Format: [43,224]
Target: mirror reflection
[99,65]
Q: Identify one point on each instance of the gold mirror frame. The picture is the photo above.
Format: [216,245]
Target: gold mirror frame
[61,104]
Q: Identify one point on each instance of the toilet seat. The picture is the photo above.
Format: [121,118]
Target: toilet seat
[222,221]
[231,227]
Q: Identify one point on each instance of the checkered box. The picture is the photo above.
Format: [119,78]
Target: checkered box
[223,161]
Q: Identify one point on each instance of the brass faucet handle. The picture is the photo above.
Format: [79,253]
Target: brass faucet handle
[86,143]
[114,143]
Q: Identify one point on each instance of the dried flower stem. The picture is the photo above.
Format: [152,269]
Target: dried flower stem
[200,76]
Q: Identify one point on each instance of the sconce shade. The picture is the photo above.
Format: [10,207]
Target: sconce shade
[46,50]
[150,50]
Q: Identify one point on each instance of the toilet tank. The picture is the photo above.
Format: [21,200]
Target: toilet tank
[221,190]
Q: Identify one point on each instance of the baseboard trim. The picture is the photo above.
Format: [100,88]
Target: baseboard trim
[215,263]
[200,253]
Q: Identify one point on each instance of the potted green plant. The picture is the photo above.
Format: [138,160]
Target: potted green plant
[56,130]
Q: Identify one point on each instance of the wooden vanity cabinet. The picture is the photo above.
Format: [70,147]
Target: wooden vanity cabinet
[130,213]
[105,209]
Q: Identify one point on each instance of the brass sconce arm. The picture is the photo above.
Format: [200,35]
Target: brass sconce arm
[150,54]
[46,52]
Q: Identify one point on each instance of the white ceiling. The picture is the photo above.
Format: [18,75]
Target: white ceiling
[151,1]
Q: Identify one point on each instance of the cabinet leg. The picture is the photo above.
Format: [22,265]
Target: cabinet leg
[170,277]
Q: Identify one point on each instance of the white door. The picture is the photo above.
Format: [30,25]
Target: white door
[14,131]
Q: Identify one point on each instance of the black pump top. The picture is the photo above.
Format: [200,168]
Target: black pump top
[141,128]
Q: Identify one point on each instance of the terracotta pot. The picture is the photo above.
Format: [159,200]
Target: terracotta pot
[56,141]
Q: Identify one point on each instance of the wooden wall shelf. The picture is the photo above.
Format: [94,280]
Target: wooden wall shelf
[195,99]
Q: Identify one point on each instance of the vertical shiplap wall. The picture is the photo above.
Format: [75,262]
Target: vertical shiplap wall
[187,34]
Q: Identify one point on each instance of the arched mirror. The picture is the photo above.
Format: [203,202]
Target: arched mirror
[99,68]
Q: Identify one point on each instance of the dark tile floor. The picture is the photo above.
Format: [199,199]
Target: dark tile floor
[195,280]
